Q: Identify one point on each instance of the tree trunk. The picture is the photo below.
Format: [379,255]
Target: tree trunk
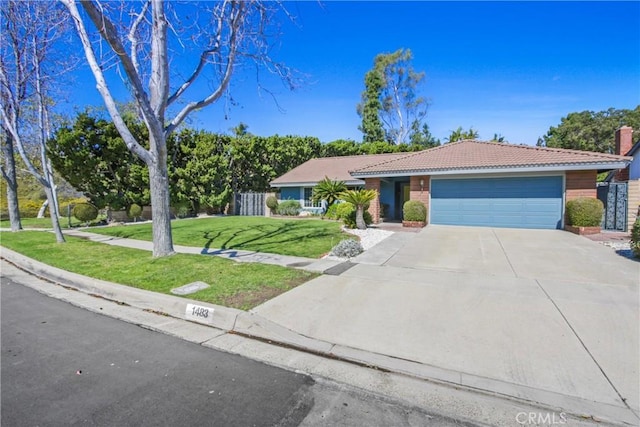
[43,209]
[360,218]
[55,222]
[160,210]
[12,183]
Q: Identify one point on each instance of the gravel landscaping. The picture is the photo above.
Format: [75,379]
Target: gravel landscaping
[368,239]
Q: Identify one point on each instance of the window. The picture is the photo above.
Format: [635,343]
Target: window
[308,203]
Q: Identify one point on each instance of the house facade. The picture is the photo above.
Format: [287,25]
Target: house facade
[482,183]
[298,183]
[630,174]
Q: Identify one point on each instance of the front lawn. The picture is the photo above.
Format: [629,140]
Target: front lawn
[305,238]
[238,285]
[41,223]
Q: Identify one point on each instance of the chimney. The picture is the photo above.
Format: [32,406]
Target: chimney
[624,140]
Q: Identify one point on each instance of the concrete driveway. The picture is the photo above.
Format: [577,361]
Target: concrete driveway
[543,315]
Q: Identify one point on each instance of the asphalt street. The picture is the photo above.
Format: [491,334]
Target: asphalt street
[62,365]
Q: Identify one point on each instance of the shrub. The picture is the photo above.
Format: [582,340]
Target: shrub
[347,249]
[289,207]
[328,190]
[272,203]
[584,212]
[347,213]
[414,210]
[332,211]
[635,238]
[134,211]
[182,209]
[85,212]
[343,210]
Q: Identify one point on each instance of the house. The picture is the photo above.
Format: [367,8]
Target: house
[626,197]
[298,183]
[474,183]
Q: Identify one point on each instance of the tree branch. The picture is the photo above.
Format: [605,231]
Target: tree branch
[102,87]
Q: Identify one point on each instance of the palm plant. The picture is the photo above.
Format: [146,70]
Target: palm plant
[359,199]
[328,190]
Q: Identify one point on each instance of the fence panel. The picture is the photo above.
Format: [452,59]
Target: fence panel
[250,204]
[614,197]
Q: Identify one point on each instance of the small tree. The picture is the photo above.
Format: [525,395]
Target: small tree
[328,190]
[359,198]
[85,212]
[134,212]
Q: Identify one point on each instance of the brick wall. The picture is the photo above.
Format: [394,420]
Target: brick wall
[580,184]
[374,207]
[417,192]
[633,202]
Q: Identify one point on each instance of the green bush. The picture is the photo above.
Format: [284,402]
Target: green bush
[85,212]
[635,238]
[414,210]
[134,211]
[584,212]
[347,213]
[289,208]
[272,203]
[332,211]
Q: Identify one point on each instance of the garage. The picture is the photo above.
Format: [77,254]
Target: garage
[517,202]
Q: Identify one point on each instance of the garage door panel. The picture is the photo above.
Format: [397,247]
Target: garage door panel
[531,202]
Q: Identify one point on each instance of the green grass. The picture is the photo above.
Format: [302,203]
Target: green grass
[305,238]
[40,223]
[239,285]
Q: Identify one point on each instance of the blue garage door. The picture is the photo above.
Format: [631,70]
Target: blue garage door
[533,202]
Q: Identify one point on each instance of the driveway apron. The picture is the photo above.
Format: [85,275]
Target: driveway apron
[540,309]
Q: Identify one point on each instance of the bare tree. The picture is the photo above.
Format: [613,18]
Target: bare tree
[149,42]
[8,169]
[30,31]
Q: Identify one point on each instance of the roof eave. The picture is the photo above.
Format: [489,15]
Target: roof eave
[460,171]
[352,182]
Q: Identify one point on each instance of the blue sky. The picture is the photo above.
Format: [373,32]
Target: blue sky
[513,68]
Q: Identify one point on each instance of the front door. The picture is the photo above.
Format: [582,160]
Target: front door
[402,195]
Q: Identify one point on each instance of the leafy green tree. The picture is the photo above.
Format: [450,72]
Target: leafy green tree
[341,147]
[199,170]
[379,147]
[370,106]
[422,137]
[460,134]
[90,155]
[256,160]
[359,199]
[328,190]
[390,100]
[589,130]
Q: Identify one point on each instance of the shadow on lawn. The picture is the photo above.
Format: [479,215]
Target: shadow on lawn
[247,239]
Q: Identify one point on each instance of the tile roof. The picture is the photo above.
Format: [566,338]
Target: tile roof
[477,155]
[336,168]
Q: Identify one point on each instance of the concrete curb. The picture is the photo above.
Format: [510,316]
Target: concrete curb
[251,325]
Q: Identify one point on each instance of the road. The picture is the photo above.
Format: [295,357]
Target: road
[62,365]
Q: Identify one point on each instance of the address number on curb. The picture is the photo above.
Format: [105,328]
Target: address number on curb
[199,313]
